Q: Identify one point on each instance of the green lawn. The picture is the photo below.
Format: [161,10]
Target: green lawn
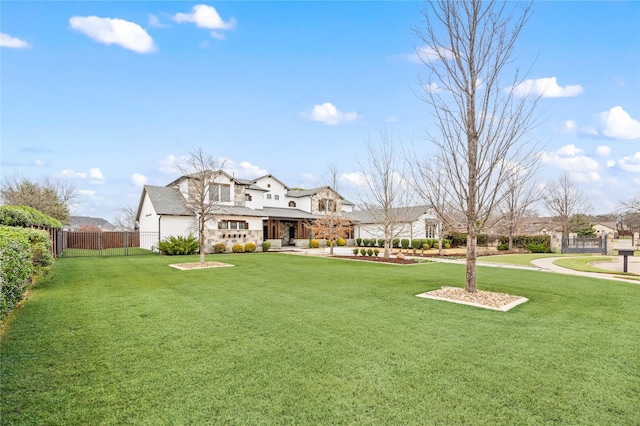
[284,339]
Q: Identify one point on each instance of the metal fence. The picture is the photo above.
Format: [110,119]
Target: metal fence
[99,244]
[584,245]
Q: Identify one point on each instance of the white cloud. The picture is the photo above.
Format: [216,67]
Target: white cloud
[328,114]
[243,170]
[603,151]
[618,124]
[168,165]
[154,22]
[206,17]
[114,31]
[428,54]
[573,159]
[139,180]
[7,41]
[354,178]
[73,174]
[545,87]
[630,164]
[611,163]
[392,119]
[96,175]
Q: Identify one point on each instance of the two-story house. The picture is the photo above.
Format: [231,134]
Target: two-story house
[245,210]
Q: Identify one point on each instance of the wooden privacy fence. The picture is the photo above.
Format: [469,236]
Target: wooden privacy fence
[110,243]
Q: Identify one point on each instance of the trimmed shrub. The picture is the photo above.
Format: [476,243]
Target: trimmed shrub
[355,251]
[40,243]
[404,243]
[538,248]
[179,245]
[376,252]
[395,242]
[219,248]
[416,244]
[365,242]
[370,252]
[503,246]
[341,242]
[380,242]
[425,246]
[16,268]
[314,243]
[237,248]
[266,245]
[250,247]
[446,245]
[522,241]
[25,217]
[363,251]
[358,241]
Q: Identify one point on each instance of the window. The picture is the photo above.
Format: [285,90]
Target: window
[326,205]
[268,196]
[220,193]
[292,203]
[233,224]
[247,197]
[277,197]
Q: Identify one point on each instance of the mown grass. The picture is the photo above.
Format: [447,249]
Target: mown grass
[521,259]
[283,339]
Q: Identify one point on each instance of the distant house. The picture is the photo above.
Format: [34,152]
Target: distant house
[78,223]
[246,210]
[412,222]
[606,228]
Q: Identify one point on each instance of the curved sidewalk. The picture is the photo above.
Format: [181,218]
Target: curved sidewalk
[546,264]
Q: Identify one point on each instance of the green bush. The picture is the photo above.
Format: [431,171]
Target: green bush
[25,217]
[266,245]
[503,246]
[425,246]
[376,252]
[370,252]
[396,243]
[522,241]
[363,251]
[446,245]
[358,241]
[237,248]
[537,248]
[416,244]
[250,247]
[365,242]
[314,243]
[355,251]
[219,248]
[404,243]
[380,242]
[40,242]
[341,242]
[16,267]
[179,245]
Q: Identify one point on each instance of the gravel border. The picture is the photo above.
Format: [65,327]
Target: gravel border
[480,299]
[197,265]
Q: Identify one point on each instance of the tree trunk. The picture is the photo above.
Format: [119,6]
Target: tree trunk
[510,241]
[472,242]
[202,244]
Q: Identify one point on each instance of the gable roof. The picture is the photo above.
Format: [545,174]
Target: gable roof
[272,177]
[407,214]
[165,201]
[287,213]
[299,193]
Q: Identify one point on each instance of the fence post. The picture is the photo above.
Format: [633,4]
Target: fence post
[126,243]
[99,244]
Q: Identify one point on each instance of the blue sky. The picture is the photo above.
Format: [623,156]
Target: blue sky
[110,95]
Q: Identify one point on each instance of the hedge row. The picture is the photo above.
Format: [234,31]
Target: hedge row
[25,217]
[405,243]
[24,254]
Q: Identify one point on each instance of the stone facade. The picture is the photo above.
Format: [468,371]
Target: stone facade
[231,237]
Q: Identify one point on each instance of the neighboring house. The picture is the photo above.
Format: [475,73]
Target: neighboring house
[413,222]
[605,228]
[245,210]
[86,222]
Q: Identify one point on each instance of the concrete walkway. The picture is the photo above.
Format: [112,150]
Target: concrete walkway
[546,264]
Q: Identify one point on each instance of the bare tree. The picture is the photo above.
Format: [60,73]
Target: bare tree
[52,197]
[631,205]
[332,225]
[563,200]
[201,169]
[520,194]
[479,121]
[126,219]
[387,195]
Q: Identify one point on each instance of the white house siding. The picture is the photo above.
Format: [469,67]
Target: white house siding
[416,229]
[148,218]
[302,203]
[257,200]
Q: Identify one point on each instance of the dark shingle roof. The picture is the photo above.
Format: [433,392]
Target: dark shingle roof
[287,213]
[167,201]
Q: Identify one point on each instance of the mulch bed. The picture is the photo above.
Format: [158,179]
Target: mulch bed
[380,259]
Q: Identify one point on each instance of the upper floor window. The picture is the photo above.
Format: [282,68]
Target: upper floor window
[268,196]
[277,197]
[220,193]
[326,205]
[247,197]
[292,203]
